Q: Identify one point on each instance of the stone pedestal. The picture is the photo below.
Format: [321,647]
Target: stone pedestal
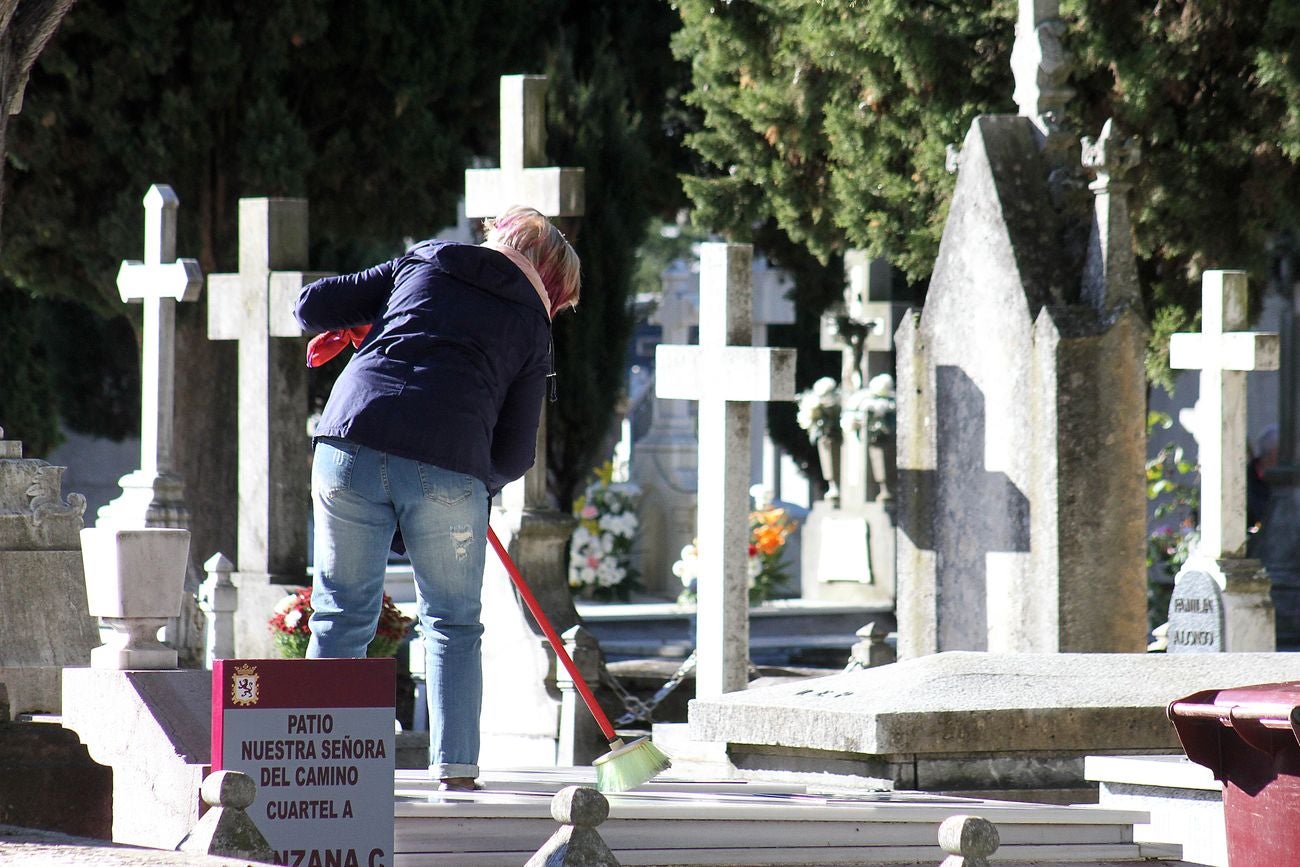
[520,722]
[154,729]
[848,554]
[134,581]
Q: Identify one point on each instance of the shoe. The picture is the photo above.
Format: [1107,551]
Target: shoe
[459,784]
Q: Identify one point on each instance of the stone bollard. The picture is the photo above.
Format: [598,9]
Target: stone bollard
[226,829]
[580,809]
[218,599]
[969,840]
[134,581]
[580,738]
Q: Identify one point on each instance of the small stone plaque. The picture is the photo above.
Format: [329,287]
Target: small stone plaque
[1196,615]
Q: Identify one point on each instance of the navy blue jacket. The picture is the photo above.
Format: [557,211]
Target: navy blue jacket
[455,365]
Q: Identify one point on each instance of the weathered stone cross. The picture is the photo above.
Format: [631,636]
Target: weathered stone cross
[555,192]
[152,496]
[521,180]
[1223,353]
[724,373]
[255,307]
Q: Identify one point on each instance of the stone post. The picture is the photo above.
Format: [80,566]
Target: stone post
[226,830]
[968,840]
[581,740]
[578,844]
[219,598]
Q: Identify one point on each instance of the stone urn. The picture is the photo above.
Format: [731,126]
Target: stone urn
[135,580]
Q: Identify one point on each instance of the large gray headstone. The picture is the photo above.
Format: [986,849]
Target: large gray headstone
[1020,408]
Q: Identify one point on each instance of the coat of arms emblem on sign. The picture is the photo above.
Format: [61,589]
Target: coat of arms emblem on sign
[243,685]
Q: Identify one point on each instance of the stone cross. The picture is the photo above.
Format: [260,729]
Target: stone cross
[724,373]
[153,496]
[521,179]
[255,307]
[1223,352]
[555,192]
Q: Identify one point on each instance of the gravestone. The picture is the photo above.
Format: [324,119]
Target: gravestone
[255,307]
[154,495]
[848,553]
[1021,395]
[44,622]
[520,721]
[724,374]
[1223,353]
[664,461]
[1196,615]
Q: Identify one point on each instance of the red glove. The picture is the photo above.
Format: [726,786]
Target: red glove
[328,344]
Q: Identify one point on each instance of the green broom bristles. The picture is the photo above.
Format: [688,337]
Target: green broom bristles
[626,767]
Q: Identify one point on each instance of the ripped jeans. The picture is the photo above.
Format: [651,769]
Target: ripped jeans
[361,496]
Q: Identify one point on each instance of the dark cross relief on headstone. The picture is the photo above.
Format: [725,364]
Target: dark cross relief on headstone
[963,545]
[255,307]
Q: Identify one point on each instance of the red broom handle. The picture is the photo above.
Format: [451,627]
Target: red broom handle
[556,644]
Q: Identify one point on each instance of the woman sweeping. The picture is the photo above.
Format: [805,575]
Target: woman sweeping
[433,415]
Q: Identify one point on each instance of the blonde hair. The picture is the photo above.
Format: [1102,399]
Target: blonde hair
[526,230]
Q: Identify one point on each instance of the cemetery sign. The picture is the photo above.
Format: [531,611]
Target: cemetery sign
[316,735]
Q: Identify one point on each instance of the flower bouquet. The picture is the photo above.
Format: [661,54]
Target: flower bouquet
[769,529]
[290,627]
[600,554]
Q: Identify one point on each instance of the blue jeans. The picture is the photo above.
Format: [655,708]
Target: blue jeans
[361,496]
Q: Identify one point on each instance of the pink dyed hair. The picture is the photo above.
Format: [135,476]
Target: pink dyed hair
[527,231]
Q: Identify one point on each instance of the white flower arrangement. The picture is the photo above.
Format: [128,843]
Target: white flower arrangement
[600,553]
[871,410]
[818,409]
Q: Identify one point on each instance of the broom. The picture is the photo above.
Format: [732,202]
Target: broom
[625,766]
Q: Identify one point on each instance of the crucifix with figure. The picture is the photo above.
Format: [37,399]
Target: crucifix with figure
[1224,352]
[255,307]
[724,373]
[153,496]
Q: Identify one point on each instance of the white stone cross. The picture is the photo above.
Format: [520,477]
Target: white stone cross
[521,180]
[152,496]
[555,192]
[256,307]
[724,373]
[1223,352]
[159,282]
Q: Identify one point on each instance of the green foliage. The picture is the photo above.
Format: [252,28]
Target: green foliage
[602,117]
[371,110]
[1172,486]
[831,120]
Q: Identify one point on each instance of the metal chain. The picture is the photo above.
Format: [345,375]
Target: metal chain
[637,709]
